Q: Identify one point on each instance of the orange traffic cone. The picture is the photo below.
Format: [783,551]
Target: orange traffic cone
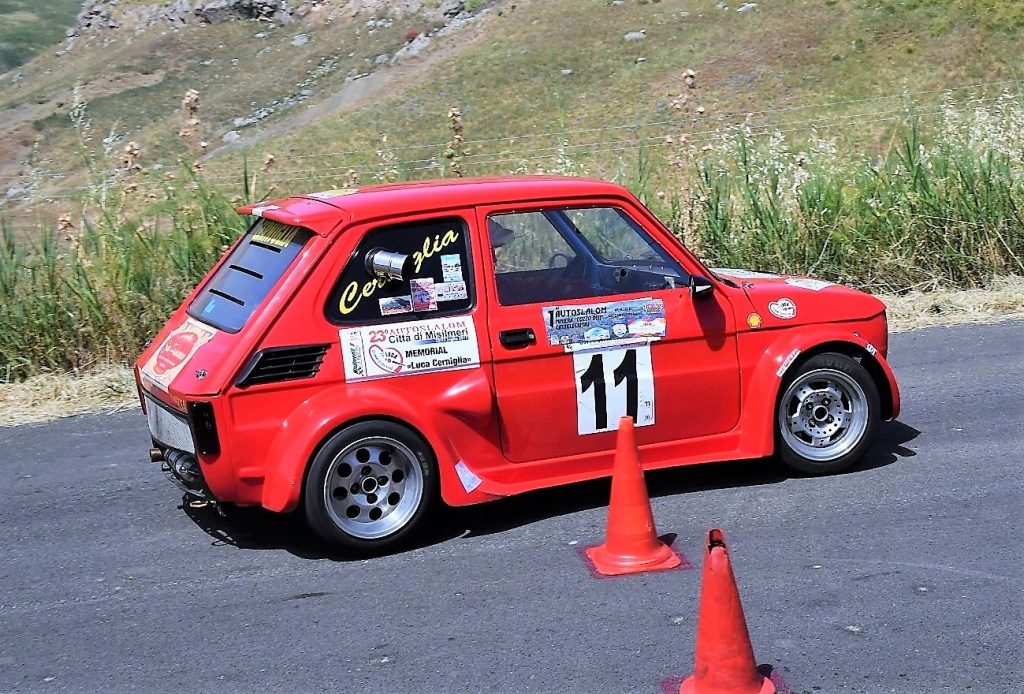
[631,545]
[724,662]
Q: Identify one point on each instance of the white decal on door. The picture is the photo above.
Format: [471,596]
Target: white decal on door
[613,383]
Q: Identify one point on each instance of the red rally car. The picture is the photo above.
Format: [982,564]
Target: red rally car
[363,354]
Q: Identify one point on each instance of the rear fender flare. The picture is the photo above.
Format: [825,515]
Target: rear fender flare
[309,426]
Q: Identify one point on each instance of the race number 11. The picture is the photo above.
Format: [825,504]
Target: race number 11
[613,383]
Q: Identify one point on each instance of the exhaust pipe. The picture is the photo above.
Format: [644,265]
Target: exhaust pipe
[186,468]
[156,455]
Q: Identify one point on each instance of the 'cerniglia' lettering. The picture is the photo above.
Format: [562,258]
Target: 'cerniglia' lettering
[353,293]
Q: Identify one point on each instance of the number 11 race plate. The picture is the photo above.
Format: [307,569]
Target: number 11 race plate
[613,383]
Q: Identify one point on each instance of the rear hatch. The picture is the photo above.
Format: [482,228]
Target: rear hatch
[209,337]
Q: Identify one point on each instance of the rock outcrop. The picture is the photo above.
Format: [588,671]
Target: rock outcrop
[99,16]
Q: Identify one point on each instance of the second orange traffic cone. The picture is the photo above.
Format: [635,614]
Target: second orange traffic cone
[724,662]
[631,545]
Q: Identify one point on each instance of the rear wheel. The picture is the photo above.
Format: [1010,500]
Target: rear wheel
[370,486]
[827,414]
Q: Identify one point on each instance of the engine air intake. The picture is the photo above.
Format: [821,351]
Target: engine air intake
[282,364]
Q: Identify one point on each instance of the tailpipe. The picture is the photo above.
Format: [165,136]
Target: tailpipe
[186,468]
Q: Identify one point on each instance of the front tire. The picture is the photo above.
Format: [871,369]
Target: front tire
[370,486]
[827,414]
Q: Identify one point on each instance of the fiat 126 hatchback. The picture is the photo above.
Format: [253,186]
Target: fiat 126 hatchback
[363,354]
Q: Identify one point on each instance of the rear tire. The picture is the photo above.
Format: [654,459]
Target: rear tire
[826,415]
[370,487]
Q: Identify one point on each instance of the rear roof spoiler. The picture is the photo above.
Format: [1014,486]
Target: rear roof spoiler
[315,215]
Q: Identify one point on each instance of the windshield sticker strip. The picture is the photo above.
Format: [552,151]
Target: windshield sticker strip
[275,234]
[586,326]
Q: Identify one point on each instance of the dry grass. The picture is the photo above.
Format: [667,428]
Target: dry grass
[1003,300]
[52,395]
[112,388]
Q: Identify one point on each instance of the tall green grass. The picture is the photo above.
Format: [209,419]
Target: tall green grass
[96,295]
[942,206]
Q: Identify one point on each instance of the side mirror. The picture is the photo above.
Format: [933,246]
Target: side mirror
[700,287]
[388,265]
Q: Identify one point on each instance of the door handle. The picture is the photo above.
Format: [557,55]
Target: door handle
[519,337]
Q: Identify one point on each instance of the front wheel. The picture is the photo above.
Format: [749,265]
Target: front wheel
[827,414]
[370,486]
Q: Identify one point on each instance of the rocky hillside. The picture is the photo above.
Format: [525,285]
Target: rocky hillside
[28,27]
[309,91]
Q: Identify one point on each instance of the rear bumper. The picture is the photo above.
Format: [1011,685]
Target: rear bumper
[189,448]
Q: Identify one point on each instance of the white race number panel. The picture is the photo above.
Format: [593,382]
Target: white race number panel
[613,383]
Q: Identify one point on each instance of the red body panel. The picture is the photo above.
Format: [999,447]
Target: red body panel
[511,421]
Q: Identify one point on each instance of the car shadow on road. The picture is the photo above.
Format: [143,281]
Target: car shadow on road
[254,528]
[889,447]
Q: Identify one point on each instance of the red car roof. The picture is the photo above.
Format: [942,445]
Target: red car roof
[369,202]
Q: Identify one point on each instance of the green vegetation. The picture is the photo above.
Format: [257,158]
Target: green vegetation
[29,26]
[863,142]
[943,207]
[924,216]
[95,295]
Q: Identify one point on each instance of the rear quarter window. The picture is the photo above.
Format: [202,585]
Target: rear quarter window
[243,281]
[441,284]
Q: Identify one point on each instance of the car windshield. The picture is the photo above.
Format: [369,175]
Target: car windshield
[613,237]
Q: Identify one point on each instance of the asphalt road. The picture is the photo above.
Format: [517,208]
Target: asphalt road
[903,575]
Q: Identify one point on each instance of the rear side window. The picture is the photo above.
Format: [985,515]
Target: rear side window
[440,284]
[243,281]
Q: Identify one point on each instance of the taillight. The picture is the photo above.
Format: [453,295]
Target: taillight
[138,388]
[204,428]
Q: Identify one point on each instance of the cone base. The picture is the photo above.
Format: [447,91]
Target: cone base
[661,558]
[690,686]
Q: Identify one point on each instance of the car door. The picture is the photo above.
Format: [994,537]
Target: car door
[590,318]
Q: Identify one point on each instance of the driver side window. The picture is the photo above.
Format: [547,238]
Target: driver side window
[527,242]
[573,253]
[531,259]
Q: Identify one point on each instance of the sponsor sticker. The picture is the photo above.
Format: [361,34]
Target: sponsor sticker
[783,308]
[808,283]
[172,356]
[451,291]
[355,291]
[744,274]
[469,480]
[258,211]
[585,326]
[451,268]
[402,349]
[391,305]
[424,294]
[872,350]
[788,362]
[754,320]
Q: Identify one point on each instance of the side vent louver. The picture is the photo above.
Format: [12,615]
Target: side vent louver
[282,364]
